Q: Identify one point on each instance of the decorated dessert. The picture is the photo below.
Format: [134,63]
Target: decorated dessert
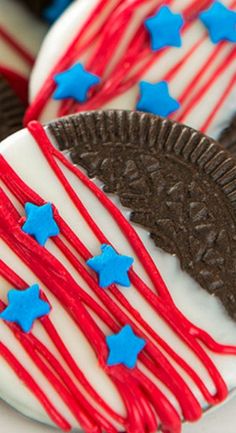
[117,273]
[171,58]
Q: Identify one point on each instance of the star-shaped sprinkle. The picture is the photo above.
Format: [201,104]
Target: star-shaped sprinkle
[40,222]
[165,29]
[124,347]
[111,267]
[155,98]
[52,12]
[75,83]
[25,306]
[220,22]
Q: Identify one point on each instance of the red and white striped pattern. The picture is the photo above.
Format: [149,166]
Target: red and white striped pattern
[113,43]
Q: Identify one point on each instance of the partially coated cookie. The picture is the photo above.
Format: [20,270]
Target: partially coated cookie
[101,329]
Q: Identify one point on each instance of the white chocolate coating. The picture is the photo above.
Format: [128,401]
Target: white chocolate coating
[25,28]
[65,29]
[202,309]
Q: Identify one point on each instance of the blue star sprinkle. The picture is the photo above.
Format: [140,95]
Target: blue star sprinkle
[55,9]
[25,306]
[75,83]
[155,98]
[124,347]
[40,222]
[111,267]
[220,22]
[164,29]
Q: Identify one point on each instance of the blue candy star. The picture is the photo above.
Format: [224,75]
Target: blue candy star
[55,9]
[40,222]
[124,347]
[111,267]
[75,83]
[25,306]
[155,98]
[220,22]
[164,29]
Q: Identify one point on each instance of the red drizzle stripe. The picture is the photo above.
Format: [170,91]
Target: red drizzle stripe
[32,386]
[14,44]
[15,281]
[219,104]
[207,85]
[146,406]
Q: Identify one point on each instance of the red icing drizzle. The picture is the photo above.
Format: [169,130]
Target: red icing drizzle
[18,82]
[211,116]
[213,77]
[18,48]
[132,64]
[146,405]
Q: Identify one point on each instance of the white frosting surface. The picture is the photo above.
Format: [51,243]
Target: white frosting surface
[24,156]
[25,29]
[65,29]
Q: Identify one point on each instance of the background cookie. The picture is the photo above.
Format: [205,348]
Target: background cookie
[134,66]
[129,347]
[48,10]
[37,6]
[13,89]
[20,37]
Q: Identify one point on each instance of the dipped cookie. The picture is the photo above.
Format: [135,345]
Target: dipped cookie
[171,58]
[20,37]
[117,273]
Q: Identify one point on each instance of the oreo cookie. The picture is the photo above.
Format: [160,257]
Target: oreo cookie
[228,137]
[11,109]
[179,185]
